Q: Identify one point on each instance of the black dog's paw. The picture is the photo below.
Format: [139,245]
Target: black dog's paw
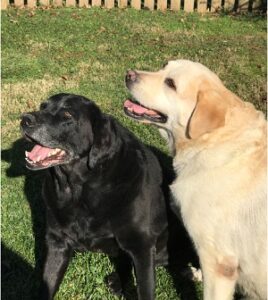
[114,284]
[126,291]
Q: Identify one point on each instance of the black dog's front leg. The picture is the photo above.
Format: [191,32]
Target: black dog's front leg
[141,249]
[57,259]
[143,260]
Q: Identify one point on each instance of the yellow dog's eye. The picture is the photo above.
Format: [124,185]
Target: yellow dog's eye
[67,114]
[170,83]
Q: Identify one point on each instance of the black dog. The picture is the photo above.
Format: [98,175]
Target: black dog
[102,191]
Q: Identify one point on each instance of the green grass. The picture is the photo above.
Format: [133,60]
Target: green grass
[88,52]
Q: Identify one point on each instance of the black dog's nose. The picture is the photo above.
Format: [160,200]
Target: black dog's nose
[28,120]
[131,76]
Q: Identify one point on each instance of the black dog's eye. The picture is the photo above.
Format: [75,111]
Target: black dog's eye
[67,114]
[43,105]
[170,83]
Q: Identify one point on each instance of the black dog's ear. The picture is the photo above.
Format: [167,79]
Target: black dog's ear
[105,142]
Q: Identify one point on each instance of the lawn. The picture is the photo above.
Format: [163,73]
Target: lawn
[87,51]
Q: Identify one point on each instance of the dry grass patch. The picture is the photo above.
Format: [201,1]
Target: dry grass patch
[21,97]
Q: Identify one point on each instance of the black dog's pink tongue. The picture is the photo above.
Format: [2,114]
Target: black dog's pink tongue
[39,153]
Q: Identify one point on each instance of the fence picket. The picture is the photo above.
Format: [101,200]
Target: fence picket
[57,3]
[122,3]
[19,3]
[70,3]
[229,5]
[83,3]
[188,5]
[96,3]
[257,4]
[149,4]
[136,4]
[175,5]
[202,6]
[43,2]
[243,5]
[109,3]
[215,5]
[31,3]
[4,4]
[162,5]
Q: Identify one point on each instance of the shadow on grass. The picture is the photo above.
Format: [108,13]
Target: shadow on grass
[16,276]
[12,286]
[21,281]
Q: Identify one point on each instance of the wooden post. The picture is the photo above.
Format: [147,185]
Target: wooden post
[4,4]
[136,4]
[202,6]
[188,5]
[109,3]
[122,3]
[162,5]
[175,5]
[215,5]
[149,4]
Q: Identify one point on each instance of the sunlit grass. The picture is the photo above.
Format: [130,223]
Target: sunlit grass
[88,52]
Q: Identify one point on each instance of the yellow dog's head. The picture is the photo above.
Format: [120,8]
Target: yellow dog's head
[183,94]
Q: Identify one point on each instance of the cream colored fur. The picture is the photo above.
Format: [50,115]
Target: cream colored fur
[219,145]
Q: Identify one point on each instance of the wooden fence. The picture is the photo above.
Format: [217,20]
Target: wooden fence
[175,5]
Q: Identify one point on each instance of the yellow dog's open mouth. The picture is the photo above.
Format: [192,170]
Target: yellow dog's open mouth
[137,111]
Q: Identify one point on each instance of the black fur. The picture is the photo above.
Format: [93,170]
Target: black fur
[106,196]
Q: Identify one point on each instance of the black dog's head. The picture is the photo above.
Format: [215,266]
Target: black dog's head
[66,128]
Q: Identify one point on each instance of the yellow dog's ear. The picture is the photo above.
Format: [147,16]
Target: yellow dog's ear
[209,114]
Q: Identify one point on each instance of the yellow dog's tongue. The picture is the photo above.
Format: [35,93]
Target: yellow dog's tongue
[39,153]
[138,109]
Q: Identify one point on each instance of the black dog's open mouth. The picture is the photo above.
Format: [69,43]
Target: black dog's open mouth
[137,111]
[43,157]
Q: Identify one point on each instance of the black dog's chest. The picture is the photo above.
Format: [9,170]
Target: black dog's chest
[84,233]
[84,223]
[82,230]
[96,243]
